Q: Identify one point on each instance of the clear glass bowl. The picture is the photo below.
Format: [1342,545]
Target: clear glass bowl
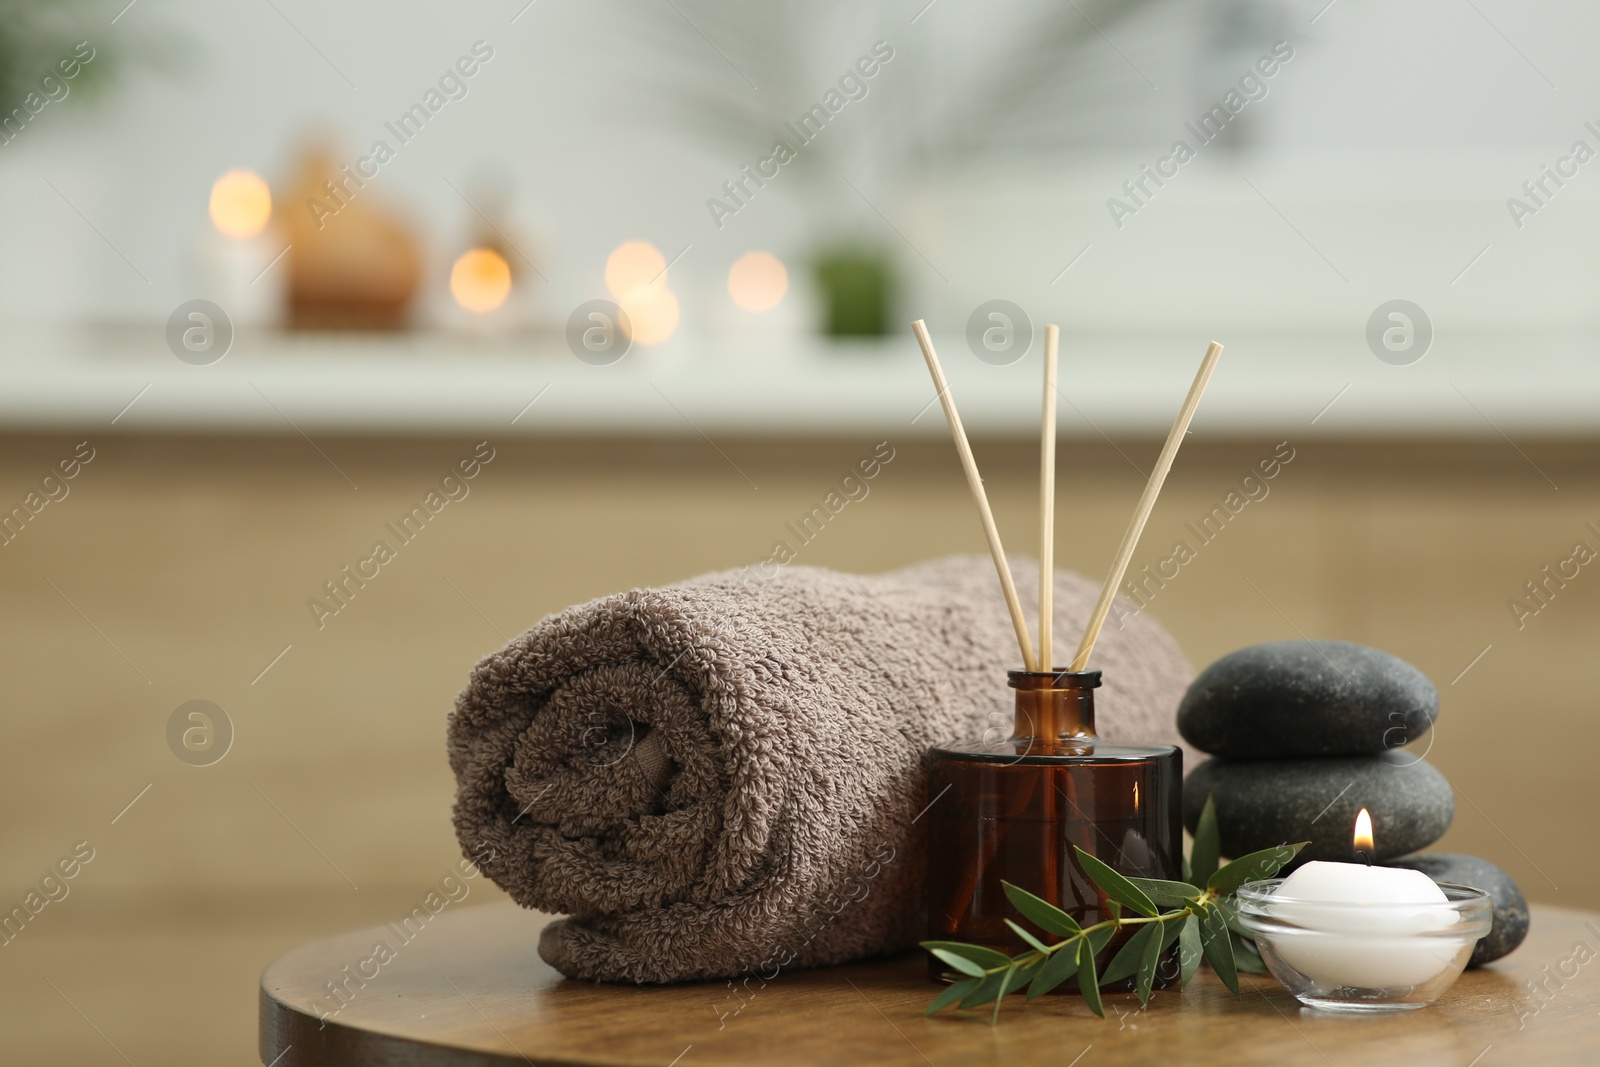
[1364,957]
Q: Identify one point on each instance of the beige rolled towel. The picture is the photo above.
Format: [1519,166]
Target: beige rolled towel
[723,777]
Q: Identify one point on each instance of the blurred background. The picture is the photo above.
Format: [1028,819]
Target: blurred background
[272,269]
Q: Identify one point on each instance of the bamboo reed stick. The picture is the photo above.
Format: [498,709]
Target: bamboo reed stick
[975,483]
[1049,850]
[1147,503]
[1047,498]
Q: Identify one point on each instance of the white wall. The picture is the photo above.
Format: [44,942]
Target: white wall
[1391,141]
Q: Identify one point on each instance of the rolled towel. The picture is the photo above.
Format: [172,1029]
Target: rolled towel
[724,776]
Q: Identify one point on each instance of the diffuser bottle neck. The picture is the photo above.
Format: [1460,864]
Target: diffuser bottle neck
[1055,710]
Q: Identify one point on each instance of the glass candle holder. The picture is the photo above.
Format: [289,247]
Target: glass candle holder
[1010,809]
[1359,957]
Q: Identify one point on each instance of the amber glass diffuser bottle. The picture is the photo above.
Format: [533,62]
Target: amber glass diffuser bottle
[1010,810]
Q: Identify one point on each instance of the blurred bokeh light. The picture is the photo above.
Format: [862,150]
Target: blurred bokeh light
[652,313]
[635,265]
[757,281]
[480,280]
[241,204]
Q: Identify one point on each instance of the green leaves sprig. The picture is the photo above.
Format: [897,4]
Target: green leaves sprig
[1201,920]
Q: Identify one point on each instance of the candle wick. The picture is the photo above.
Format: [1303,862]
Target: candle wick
[1361,853]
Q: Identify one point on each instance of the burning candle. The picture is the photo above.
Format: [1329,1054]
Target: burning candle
[1388,922]
[230,261]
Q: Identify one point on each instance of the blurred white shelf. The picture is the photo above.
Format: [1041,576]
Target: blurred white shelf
[1301,385]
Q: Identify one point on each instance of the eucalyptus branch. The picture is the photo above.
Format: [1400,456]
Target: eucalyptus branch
[1199,918]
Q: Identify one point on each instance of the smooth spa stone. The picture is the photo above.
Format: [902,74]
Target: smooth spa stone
[1264,803]
[1510,906]
[1293,699]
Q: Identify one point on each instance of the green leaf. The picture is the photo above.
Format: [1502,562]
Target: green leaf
[960,963]
[1057,969]
[1218,944]
[1115,885]
[1245,956]
[1189,950]
[983,954]
[984,991]
[1032,941]
[1012,978]
[1256,865]
[1151,941]
[1249,964]
[1020,974]
[1064,961]
[1088,984]
[952,993]
[958,955]
[1167,894]
[1170,925]
[1170,932]
[1006,978]
[1230,915]
[1207,845]
[1148,963]
[1188,871]
[1015,977]
[1126,961]
[1041,913]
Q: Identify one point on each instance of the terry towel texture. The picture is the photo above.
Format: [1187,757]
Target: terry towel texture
[722,776]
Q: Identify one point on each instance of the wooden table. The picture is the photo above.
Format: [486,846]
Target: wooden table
[470,989]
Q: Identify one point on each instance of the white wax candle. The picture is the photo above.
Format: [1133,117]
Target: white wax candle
[1357,930]
[232,271]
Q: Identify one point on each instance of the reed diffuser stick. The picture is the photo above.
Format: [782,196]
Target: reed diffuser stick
[1048,849]
[975,483]
[1047,498]
[1147,503]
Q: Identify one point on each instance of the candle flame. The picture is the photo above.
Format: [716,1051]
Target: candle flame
[1363,835]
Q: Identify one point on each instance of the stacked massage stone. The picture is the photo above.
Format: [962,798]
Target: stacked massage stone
[1305,734]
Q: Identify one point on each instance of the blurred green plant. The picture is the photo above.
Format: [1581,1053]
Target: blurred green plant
[1029,78]
[856,284]
[1042,78]
[37,34]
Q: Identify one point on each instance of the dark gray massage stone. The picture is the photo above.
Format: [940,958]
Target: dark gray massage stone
[1510,906]
[1291,699]
[1265,803]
